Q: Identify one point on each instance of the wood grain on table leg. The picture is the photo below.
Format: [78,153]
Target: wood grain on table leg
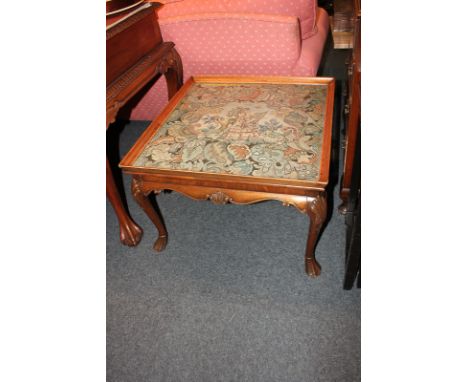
[317,211]
[152,211]
[130,232]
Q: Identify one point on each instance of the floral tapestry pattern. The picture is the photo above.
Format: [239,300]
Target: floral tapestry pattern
[260,130]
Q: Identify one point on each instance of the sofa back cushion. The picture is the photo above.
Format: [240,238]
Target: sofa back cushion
[304,10]
[230,38]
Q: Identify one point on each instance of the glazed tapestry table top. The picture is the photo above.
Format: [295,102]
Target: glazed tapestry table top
[261,130]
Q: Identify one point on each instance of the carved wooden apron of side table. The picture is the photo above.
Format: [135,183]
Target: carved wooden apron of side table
[240,140]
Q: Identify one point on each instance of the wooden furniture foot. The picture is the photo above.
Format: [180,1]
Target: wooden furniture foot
[142,199]
[343,208]
[130,232]
[353,250]
[317,211]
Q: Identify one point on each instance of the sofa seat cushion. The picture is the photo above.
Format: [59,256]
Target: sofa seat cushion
[304,10]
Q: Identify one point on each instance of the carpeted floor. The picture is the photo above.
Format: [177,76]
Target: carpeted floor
[228,299]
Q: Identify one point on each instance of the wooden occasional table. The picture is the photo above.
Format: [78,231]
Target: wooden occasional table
[240,140]
[136,54]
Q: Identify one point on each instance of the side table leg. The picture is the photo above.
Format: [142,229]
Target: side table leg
[130,232]
[317,211]
[142,199]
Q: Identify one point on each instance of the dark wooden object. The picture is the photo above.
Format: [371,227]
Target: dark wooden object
[350,192]
[307,196]
[353,113]
[353,223]
[136,54]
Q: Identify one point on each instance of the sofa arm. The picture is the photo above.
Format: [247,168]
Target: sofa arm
[231,37]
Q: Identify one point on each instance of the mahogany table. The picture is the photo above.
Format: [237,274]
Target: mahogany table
[240,140]
[136,54]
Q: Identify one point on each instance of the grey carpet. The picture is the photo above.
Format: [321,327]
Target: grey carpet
[228,299]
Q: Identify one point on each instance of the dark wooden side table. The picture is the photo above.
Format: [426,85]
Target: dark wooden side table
[136,54]
[240,140]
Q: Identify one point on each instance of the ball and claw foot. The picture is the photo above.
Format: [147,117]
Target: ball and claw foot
[130,233]
[160,244]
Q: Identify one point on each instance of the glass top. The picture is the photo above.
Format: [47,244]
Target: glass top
[258,130]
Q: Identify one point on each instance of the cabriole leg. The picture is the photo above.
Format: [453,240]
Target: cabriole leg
[144,202]
[130,232]
[317,211]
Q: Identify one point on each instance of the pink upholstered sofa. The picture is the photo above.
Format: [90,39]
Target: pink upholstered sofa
[248,37]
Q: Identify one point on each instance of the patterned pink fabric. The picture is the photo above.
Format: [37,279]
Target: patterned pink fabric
[311,52]
[230,37]
[304,10]
[231,44]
